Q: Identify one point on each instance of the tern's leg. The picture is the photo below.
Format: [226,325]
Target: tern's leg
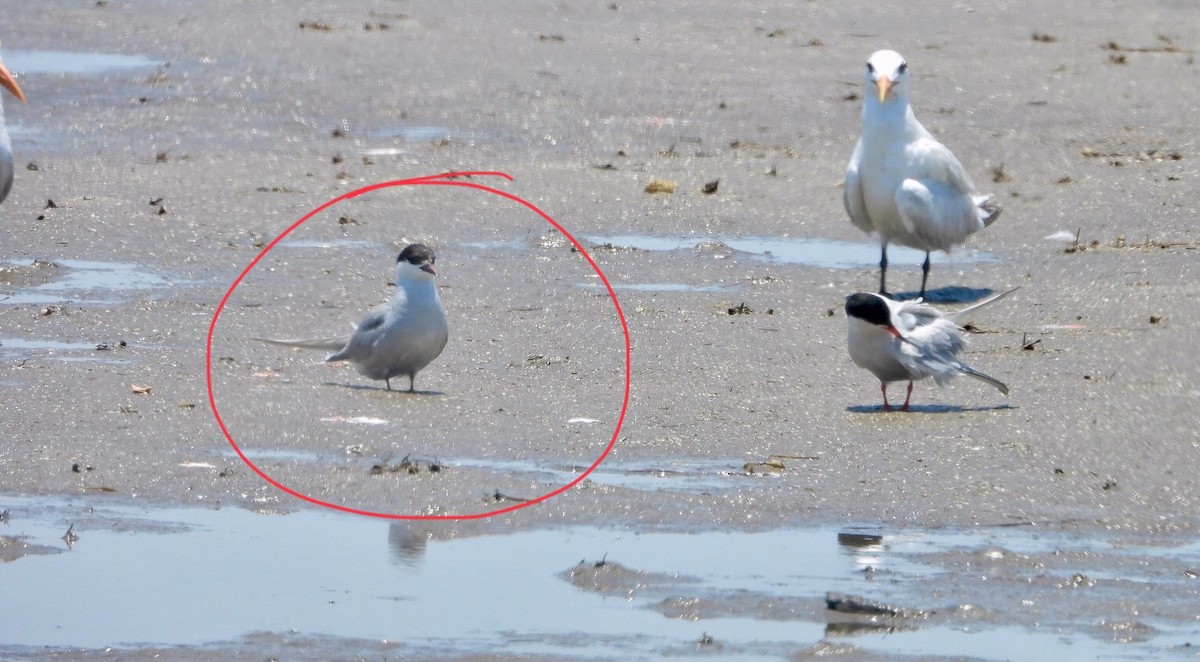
[388,381]
[907,397]
[883,270]
[883,387]
[412,379]
[924,273]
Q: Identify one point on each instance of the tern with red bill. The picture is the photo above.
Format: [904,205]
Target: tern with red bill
[399,337]
[6,154]
[909,340]
[901,182]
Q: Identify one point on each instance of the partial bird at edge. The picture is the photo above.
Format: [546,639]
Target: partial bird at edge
[6,154]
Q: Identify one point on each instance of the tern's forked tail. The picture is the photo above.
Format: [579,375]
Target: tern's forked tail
[983,377]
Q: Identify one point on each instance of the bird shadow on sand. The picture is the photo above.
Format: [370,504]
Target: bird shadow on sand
[948,294]
[925,409]
[382,389]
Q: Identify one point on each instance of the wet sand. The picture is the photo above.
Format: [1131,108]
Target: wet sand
[179,173]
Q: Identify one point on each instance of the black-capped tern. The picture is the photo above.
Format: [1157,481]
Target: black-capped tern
[909,340]
[399,337]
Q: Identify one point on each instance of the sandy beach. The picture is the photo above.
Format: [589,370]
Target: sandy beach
[146,186]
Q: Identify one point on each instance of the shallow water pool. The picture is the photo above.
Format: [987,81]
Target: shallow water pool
[136,577]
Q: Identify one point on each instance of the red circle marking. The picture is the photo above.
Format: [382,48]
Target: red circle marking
[445,179]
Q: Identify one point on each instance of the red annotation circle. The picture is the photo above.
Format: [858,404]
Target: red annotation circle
[446,179]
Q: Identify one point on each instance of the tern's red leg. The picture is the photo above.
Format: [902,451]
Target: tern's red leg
[883,387]
[907,397]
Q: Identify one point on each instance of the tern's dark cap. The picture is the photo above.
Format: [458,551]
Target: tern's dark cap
[418,254]
[870,308]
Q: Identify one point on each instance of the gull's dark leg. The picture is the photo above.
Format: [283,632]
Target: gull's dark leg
[883,387]
[883,271]
[412,381]
[388,381]
[924,273]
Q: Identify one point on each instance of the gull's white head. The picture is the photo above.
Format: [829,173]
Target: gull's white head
[415,263]
[887,76]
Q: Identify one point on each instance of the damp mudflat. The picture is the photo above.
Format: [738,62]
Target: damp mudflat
[320,244]
[410,132]
[643,476]
[814,252]
[76,63]
[1096,347]
[17,349]
[807,251]
[664,287]
[78,281]
[90,574]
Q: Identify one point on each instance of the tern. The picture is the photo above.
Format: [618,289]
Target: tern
[909,340]
[399,337]
[6,154]
[901,182]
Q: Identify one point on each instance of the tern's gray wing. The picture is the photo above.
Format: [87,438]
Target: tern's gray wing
[932,343]
[393,339]
[911,315]
[359,345]
[931,350]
